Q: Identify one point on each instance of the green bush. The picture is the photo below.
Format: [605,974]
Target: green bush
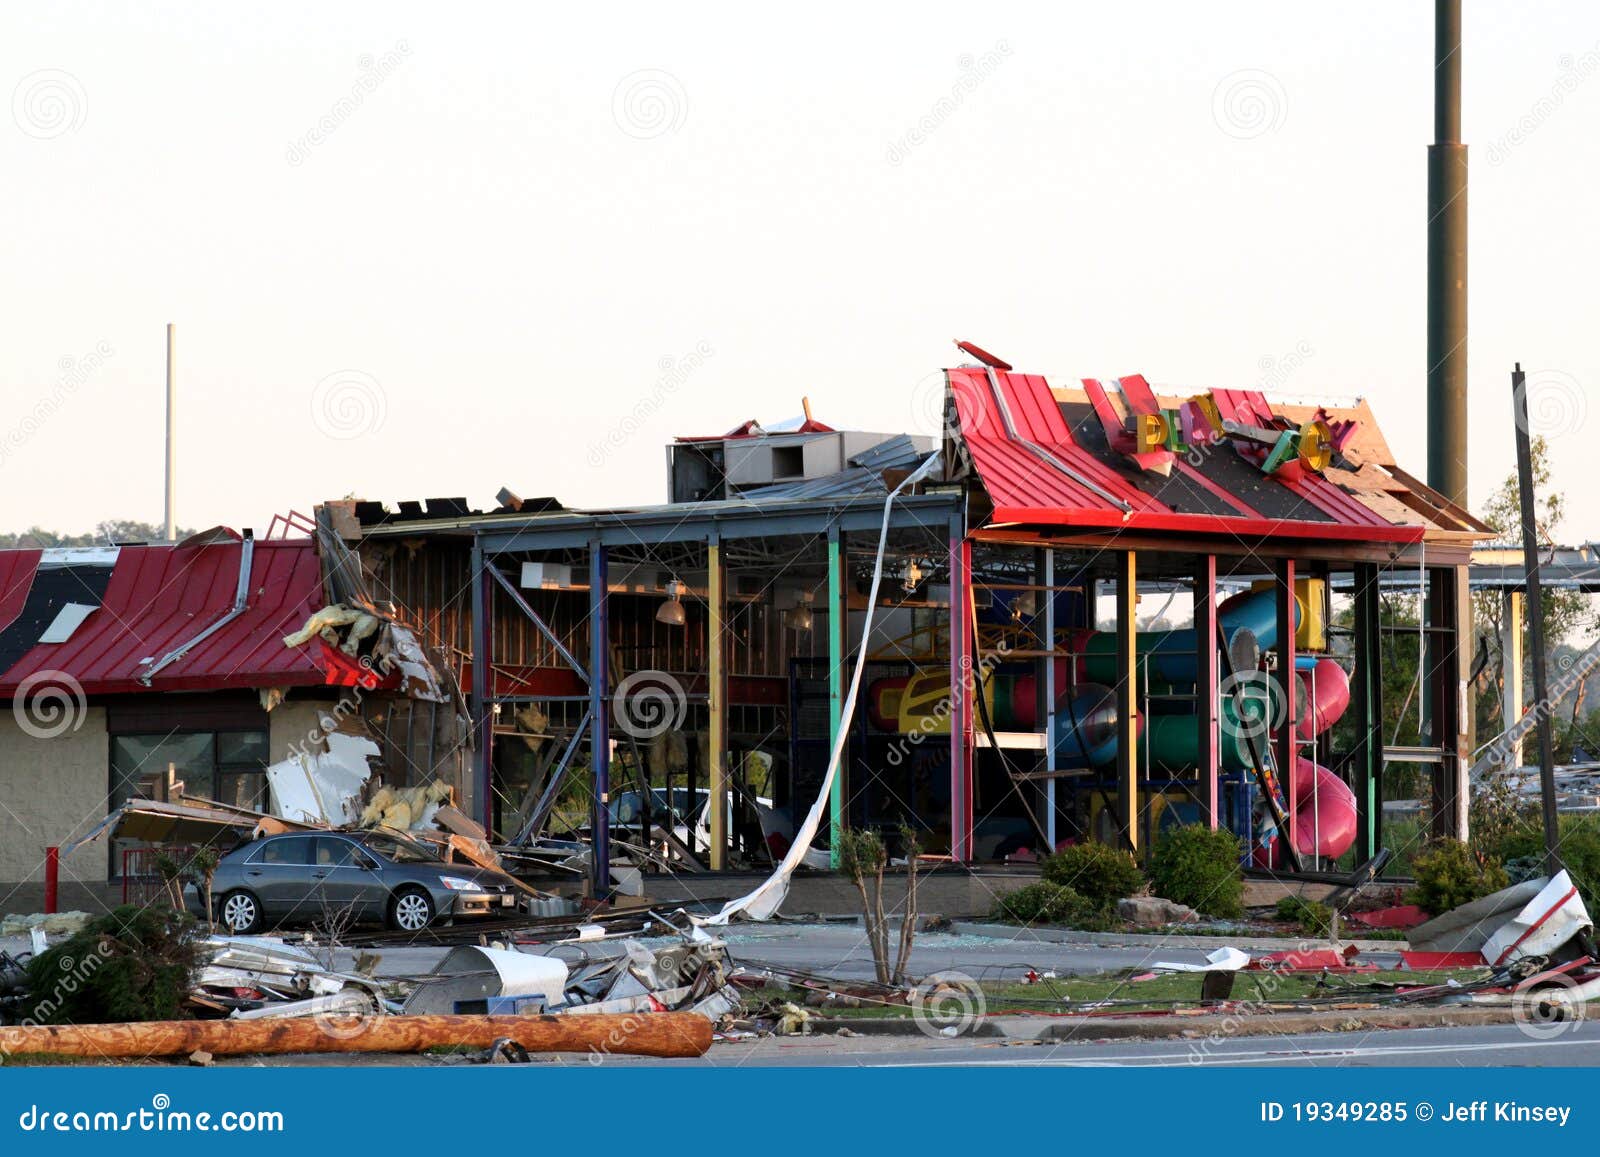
[1047,903]
[131,964]
[1449,874]
[1578,845]
[1314,918]
[1098,872]
[1199,867]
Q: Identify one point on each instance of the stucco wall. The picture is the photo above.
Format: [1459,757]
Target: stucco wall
[52,791]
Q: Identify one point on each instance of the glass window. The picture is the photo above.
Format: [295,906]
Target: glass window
[334,852]
[286,850]
[133,757]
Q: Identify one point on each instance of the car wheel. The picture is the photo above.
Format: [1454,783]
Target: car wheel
[241,912]
[411,910]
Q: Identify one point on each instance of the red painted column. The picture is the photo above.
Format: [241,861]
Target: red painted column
[1285,750]
[52,878]
[961,643]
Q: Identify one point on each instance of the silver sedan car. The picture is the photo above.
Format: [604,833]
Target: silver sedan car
[367,875]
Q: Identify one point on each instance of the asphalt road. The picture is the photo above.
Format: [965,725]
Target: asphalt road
[1495,1046]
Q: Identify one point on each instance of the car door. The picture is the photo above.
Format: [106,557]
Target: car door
[279,873]
[344,878]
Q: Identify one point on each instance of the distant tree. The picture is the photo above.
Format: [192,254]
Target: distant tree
[114,530]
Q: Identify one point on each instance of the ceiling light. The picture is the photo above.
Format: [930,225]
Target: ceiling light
[671,612]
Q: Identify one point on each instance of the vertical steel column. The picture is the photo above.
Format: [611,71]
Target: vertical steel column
[1127,688]
[1511,611]
[838,628]
[481,694]
[716,636]
[1446,679]
[1367,699]
[961,643]
[600,728]
[1205,686]
[1050,695]
[1285,751]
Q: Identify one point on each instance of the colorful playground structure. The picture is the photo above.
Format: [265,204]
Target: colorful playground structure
[1320,807]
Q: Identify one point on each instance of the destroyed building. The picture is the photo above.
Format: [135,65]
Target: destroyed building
[186,670]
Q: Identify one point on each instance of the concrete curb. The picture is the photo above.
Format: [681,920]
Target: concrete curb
[1199,1027]
[1158,939]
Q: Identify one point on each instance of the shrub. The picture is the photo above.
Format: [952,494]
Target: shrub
[1199,867]
[1449,874]
[1047,903]
[1314,918]
[1578,846]
[1098,872]
[131,964]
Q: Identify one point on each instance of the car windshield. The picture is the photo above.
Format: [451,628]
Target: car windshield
[400,851]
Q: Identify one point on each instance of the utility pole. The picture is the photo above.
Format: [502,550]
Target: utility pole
[172,408]
[1447,265]
[1530,570]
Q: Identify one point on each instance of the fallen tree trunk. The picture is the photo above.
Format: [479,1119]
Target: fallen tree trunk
[655,1034]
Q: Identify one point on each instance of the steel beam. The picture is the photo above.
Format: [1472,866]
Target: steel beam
[1127,689]
[1512,604]
[1048,564]
[838,628]
[1206,686]
[1367,700]
[480,704]
[746,520]
[599,723]
[716,686]
[961,740]
[1285,750]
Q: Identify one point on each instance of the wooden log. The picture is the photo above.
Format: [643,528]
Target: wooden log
[652,1034]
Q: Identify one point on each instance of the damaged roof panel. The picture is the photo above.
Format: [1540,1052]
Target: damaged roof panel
[153,599]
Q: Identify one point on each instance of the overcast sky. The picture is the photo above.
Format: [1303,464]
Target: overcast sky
[420,250]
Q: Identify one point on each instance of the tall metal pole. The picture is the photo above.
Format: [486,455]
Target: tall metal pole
[172,410]
[1535,612]
[1447,265]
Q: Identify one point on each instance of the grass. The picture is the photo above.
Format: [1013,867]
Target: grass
[1162,991]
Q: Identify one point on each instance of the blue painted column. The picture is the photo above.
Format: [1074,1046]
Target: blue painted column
[600,733]
[480,695]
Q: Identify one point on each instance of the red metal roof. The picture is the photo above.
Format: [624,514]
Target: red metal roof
[158,598]
[1037,469]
